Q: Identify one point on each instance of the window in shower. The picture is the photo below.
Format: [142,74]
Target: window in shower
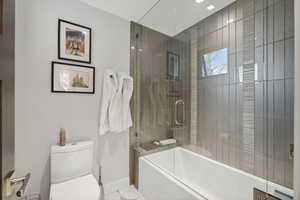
[215,63]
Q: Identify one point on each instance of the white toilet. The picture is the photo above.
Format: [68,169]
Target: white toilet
[71,172]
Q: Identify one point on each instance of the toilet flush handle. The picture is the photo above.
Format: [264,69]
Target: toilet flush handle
[10,183]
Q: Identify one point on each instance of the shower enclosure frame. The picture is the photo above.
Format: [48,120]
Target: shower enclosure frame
[297,103]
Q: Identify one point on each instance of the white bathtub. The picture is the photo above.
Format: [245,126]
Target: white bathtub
[180,174]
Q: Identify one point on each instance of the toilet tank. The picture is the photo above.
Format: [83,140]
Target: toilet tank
[71,161]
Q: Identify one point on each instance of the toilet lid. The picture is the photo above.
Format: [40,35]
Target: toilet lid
[82,188]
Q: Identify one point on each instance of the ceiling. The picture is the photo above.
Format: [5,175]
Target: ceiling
[167,16]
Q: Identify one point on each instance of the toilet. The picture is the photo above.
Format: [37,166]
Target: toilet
[71,172]
[128,195]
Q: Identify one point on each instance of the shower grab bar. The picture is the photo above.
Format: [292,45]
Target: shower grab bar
[177,122]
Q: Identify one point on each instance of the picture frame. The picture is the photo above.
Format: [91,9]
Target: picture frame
[173,66]
[74,42]
[72,78]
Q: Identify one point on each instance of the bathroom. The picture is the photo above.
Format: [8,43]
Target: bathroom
[214,106]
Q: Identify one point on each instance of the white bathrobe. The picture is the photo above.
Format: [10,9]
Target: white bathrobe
[115,115]
[119,113]
[109,90]
[127,89]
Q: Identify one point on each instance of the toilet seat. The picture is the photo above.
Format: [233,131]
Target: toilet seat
[83,188]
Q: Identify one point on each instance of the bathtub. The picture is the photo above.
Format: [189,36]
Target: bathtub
[180,174]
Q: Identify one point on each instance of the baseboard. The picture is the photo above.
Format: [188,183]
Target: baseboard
[115,186]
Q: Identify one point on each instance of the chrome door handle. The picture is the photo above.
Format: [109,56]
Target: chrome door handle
[10,184]
[177,122]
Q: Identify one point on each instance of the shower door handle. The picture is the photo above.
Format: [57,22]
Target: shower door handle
[177,103]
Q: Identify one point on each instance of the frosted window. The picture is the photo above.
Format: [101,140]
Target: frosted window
[215,63]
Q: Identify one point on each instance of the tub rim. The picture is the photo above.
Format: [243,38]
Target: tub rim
[281,188]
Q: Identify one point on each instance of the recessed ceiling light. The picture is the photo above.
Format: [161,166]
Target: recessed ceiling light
[211,7]
[199,1]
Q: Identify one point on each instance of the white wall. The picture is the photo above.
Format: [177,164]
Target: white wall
[297,102]
[40,113]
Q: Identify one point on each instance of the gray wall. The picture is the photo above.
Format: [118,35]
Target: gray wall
[245,118]
[40,113]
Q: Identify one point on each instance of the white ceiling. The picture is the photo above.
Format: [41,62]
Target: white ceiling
[168,16]
[131,10]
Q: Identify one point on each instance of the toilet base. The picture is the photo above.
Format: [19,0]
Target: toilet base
[129,195]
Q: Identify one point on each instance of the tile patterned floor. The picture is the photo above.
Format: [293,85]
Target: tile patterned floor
[116,195]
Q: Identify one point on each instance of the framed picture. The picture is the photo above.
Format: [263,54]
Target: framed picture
[74,42]
[70,78]
[173,63]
